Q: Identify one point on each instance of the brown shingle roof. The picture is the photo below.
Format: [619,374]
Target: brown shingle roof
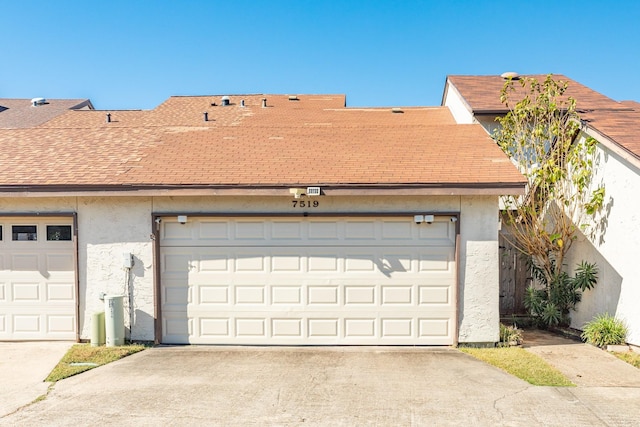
[619,121]
[20,113]
[312,141]
[482,93]
[620,126]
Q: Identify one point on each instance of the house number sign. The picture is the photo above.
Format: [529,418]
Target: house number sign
[305,203]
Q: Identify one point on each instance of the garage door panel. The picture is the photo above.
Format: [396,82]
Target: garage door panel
[26,324]
[311,281]
[254,295]
[213,230]
[397,295]
[322,262]
[286,295]
[176,327]
[431,295]
[59,262]
[286,230]
[25,292]
[213,263]
[434,327]
[60,324]
[213,295]
[359,230]
[60,292]
[250,230]
[215,327]
[322,295]
[358,295]
[287,262]
[176,295]
[173,231]
[25,262]
[323,328]
[250,262]
[360,262]
[251,327]
[395,230]
[440,231]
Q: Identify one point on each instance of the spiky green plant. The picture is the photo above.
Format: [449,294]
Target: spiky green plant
[551,303]
[605,330]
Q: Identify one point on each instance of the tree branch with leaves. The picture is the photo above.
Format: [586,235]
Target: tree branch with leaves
[540,134]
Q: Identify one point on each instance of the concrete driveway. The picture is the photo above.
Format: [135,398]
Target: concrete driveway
[23,368]
[318,386]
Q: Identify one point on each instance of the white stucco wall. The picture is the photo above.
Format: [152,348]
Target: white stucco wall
[615,248]
[107,228]
[479,299]
[458,107]
[111,226]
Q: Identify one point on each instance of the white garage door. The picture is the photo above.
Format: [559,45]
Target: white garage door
[37,279]
[311,281]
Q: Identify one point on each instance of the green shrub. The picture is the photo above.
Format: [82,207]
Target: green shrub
[509,336]
[605,330]
[551,303]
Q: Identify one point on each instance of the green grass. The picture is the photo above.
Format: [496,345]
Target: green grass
[90,357]
[630,357]
[522,364]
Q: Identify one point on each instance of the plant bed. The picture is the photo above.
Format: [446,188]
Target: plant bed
[567,332]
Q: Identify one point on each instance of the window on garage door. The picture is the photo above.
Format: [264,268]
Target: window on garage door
[24,232]
[58,232]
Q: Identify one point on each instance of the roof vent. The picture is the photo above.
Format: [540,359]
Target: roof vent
[264,102]
[397,110]
[293,98]
[38,101]
[510,75]
[108,117]
[225,101]
[242,103]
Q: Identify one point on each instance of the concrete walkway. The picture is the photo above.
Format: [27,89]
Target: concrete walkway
[23,368]
[584,364]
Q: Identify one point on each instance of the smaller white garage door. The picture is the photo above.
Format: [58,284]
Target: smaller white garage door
[308,281]
[37,279]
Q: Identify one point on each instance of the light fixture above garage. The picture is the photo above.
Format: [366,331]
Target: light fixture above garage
[314,191]
[297,192]
[419,219]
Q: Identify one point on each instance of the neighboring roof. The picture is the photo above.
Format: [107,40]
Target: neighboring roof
[618,121]
[621,126]
[21,113]
[313,140]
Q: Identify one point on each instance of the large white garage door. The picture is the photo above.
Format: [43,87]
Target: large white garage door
[311,281]
[37,279]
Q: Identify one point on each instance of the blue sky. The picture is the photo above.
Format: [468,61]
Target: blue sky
[127,54]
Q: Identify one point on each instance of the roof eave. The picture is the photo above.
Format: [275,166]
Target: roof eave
[516,188]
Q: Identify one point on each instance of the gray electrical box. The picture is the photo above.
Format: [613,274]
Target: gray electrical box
[127,260]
